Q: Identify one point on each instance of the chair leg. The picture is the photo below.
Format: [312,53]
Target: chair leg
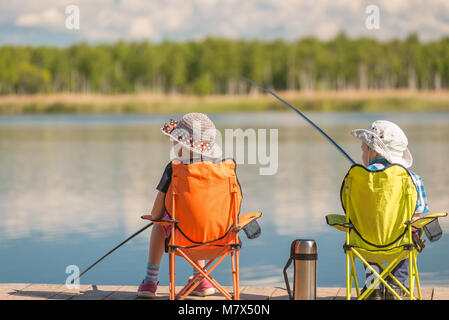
[206,275]
[234,282]
[411,275]
[237,285]
[171,267]
[392,277]
[418,286]
[379,277]
[348,278]
[354,275]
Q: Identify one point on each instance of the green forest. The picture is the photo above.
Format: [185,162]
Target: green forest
[204,67]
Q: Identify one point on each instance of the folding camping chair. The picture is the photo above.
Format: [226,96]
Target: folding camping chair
[378,221]
[203,201]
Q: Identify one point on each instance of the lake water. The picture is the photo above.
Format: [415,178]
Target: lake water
[72,187]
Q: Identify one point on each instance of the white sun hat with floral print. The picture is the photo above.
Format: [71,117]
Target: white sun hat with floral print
[388,140]
[196,132]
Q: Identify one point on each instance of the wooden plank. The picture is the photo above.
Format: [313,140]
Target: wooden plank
[39,291]
[124,293]
[327,293]
[441,293]
[9,288]
[11,291]
[279,294]
[69,293]
[341,294]
[321,294]
[96,292]
[256,293]
[426,293]
[27,291]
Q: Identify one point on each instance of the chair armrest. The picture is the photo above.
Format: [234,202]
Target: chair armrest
[161,222]
[423,221]
[338,221]
[246,218]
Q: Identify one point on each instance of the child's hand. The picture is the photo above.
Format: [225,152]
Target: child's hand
[147,217]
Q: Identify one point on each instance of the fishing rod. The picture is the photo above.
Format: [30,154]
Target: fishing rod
[298,112]
[112,250]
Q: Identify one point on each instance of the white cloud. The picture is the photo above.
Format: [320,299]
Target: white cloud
[393,7]
[141,28]
[327,30]
[266,19]
[49,18]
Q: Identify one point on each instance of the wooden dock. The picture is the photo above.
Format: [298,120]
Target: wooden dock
[31,291]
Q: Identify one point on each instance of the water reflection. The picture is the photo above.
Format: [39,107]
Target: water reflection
[92,177]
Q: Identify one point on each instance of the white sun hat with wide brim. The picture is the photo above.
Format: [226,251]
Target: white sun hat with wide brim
[196,132]
[388,140]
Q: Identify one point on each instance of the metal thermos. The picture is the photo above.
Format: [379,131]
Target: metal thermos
[304,254]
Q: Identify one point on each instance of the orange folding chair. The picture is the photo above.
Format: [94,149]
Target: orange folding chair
[203,201]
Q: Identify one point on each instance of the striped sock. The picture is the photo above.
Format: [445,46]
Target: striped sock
[152,273]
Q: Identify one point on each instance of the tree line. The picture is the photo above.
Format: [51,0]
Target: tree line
[205,67]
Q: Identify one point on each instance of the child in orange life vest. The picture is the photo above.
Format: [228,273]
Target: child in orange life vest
[194,140]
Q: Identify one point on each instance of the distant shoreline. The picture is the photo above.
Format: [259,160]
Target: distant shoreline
[149,103]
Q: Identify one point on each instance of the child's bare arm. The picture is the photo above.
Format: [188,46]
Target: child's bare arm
[158,207]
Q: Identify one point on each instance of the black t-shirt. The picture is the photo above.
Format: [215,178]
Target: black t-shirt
[165,181]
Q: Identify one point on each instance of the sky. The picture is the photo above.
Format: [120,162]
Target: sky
[44,22]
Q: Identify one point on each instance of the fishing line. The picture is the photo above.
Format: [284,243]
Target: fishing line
[113,249]
[298,112]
